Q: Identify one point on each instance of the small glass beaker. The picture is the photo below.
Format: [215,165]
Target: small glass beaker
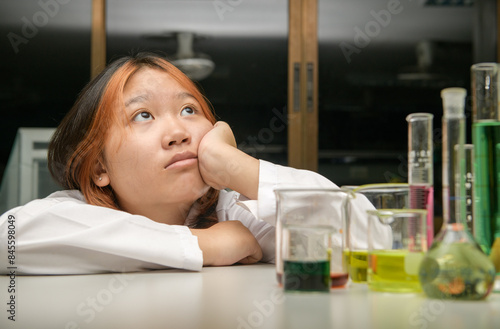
[309,239]
[388,195]
[393,267]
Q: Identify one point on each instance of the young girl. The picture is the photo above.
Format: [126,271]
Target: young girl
[151,181]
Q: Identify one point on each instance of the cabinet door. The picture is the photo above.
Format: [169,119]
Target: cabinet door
[98,37]
[303,84]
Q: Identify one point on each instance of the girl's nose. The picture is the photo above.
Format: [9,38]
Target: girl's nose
[176,133]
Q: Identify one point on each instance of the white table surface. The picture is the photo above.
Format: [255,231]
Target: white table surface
[224,297]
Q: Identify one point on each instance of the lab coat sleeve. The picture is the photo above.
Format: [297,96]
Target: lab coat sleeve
[62,234]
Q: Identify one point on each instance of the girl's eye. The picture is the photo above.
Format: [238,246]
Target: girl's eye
[188,111]
[143,116]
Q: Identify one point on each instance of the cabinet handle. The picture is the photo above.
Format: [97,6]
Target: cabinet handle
[310,87]
[296,87]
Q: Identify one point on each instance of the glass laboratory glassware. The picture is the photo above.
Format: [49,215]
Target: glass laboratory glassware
[393,265]
[486,140]
[453,125]
[469,186]
[309,239]
[455,267]
[420,167]
[388,195]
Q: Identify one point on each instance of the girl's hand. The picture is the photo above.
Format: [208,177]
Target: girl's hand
[221,134]
[227,243]
[214,154]
[222,165]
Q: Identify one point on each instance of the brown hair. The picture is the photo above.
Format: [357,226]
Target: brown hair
[78,142]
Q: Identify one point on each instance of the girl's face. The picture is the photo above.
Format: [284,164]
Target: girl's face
[154,166]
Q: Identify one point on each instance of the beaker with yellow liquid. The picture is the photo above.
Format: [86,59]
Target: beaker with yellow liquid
[378,196]
[393,266]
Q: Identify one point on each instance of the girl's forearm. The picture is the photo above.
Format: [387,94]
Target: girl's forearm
[242,171]
[226,243]
[223,165]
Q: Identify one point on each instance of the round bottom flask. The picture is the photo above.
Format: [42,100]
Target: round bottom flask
[455,267]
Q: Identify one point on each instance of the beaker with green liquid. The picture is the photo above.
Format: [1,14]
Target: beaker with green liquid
[309,239]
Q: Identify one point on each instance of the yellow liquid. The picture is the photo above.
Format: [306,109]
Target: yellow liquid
[346,259]
[358,265]
[394,271]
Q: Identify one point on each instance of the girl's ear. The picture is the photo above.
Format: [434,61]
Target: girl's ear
[100,177]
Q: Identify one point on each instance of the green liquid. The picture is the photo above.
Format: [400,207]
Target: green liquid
[486,139]
[394,271]
[358,265]
[306,276]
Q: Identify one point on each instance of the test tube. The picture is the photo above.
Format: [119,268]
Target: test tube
[420,167]
[453,134]
[484,86]
[486,139]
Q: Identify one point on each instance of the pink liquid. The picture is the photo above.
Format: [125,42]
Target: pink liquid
[339,279]
[422,197]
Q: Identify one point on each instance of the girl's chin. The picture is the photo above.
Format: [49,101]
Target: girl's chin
[193,190]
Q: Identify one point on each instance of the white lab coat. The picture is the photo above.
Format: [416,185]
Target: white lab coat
[62,234]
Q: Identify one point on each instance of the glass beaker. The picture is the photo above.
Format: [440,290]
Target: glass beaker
[379,196]
[393,266]
[309,239]
[386,195]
